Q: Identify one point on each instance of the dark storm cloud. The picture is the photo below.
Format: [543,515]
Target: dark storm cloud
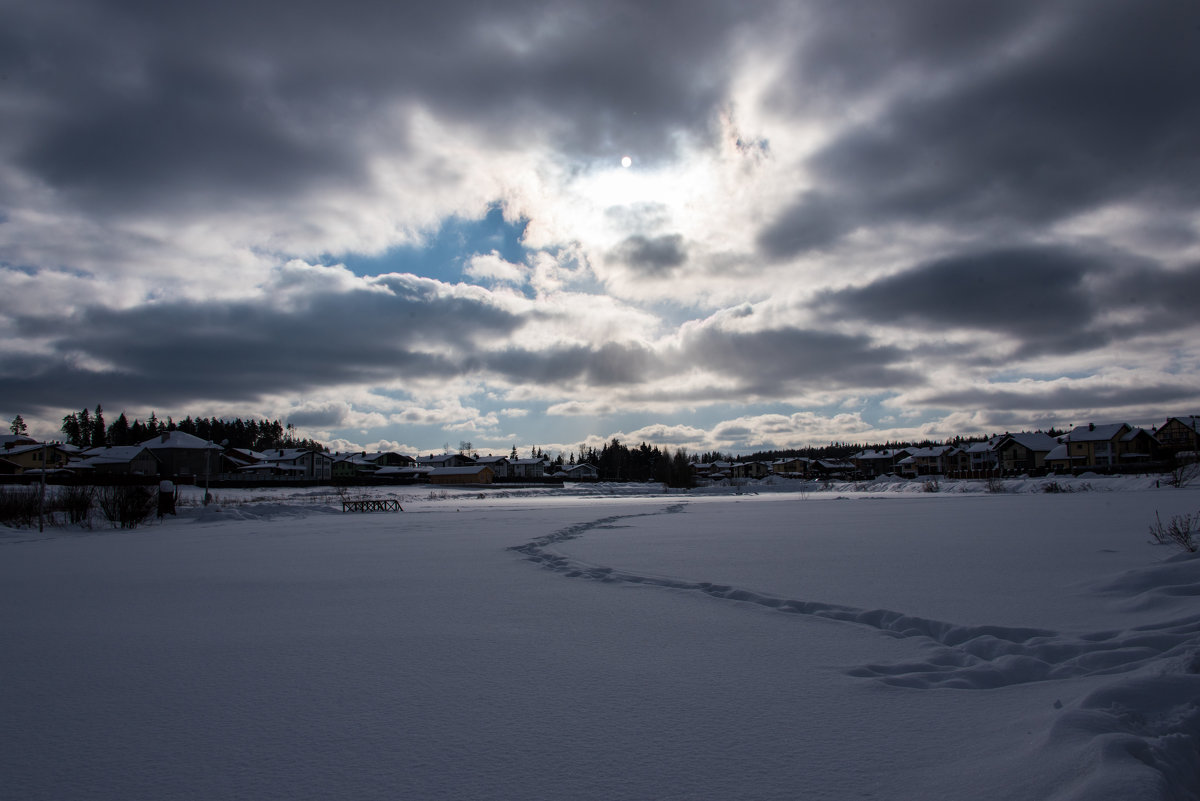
[811,223]
[1068,397]
[1018,113]
[1047,299]
[654,256]
[607,365]
[778,362]
[138,104]
[1017,291]
[175,352]
[175,137]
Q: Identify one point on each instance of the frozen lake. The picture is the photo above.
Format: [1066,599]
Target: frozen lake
[542,646]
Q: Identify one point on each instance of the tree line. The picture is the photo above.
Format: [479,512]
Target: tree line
[616,461]
[87,429]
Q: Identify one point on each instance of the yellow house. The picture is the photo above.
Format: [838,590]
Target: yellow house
[29,457]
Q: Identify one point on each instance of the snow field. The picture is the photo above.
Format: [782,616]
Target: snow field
[539,647]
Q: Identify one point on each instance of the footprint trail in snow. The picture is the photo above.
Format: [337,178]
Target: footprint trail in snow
[969,657]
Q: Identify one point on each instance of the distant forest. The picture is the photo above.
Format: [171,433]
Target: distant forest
[87,429]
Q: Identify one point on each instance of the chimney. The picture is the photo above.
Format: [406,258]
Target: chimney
[164,436]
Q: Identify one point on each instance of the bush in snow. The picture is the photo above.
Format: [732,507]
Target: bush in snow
[1184,473]
[77,502]
[18,506]
[1179,531]
[127,507]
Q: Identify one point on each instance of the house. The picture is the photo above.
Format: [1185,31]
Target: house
[499,464]
[293,463]
[982,455]
[126,460]
[717,470]
[390,459]
[1059,459]
[445,460]
[181,454]
[795,466]
[471,474]
[527,468]
[579,472]
[10,441]
[930,461]
[875,462]
[1139,445]
[233,459]
[1109,445]
[28,458]
[1180,434]
[750,470]
[1024,451]
[352,465]
[832,468]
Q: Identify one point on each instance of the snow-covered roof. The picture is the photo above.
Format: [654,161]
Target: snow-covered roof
[179,440]
[1094,433]
[491,460]
[35,447]
[257,456]
[292,454]
[15,439]
[1033,440]
[875,453]
[117,454]
[1189,421]
[928,453]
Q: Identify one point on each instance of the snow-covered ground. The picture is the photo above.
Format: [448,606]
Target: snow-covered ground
[610,642]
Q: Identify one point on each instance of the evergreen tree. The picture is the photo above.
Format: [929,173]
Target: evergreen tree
[99,432]
[118,432]
[18,425]
[85,428]
[70,429]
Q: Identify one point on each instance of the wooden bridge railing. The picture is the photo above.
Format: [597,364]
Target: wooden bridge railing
[379,505]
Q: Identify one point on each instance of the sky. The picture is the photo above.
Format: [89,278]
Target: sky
[708,225]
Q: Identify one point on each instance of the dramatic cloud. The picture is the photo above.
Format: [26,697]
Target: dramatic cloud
[411,224]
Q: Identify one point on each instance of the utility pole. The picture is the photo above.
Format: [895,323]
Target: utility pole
[42,491]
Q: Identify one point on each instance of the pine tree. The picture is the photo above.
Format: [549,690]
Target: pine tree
[18,425]
[118,432]
[70,429]
[99,432]
[85,428]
